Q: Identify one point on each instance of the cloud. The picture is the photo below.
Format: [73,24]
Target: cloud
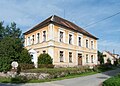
[109,45]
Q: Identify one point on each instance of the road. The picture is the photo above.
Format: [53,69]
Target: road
[91,80]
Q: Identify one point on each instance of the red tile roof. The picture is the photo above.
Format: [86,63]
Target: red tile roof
[62,22]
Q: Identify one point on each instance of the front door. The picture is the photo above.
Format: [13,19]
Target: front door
[79,59]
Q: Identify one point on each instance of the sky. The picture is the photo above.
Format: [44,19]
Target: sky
[28,13]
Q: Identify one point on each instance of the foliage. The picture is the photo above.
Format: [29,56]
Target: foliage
[19,79]
[45,66]
[101,57]
[25,57]
[108,61]
[114,81]
[44,59]
[24,66]
[4,64]
[11,46]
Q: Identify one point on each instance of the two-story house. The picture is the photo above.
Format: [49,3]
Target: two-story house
[68,44]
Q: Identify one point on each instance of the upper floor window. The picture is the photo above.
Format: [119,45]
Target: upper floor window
[61,56]
[61,36]
[91,44]
[91,58]
[70,39]
[86,43]
[38,37]
[79,41]
[32,39]
[29,41]
[44,35]
[70,57]
[86,58]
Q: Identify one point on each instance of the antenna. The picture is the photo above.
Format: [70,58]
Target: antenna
[64,13]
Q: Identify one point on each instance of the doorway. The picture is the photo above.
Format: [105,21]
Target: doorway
[79,59]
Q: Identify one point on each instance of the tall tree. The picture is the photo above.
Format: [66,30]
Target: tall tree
[11,47]
[100,57]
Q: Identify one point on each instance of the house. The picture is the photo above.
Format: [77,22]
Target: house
[68,44]
[109,56]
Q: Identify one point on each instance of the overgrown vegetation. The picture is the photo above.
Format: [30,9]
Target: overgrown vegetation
[45,61]
[114,81]
[11,47]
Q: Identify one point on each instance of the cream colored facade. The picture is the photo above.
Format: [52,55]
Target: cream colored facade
[52,45]
[109,56]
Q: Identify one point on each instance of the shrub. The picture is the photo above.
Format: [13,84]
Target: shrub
[44,59]
[45,66]
[19,79]
[24,66]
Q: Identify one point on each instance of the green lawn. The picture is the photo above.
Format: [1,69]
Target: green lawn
[113,81]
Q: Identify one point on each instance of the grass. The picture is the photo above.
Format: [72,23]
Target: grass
[113,81]
[54,71]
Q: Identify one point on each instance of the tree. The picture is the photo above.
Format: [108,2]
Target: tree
[25,57]
[1,30]
[101,57]
[11,47]
[44,59]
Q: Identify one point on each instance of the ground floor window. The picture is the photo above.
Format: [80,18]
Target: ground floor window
[70,57]
[91,58]
[61,56]
[86,58]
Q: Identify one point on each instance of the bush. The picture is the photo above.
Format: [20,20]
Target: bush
[114,81]
[24,66]
[19,79]
[44,59]
[45,66]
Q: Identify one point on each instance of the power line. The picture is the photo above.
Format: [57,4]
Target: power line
[102,20]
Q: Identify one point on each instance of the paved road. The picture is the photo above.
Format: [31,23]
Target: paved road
[92,80]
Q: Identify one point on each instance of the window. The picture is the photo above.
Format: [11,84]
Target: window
[79,41]
[38,37]
[86,43]
[44,36]
[70,57]
[61,36]
[61,56]
[87,58]
[32,39]
[44,51]
[28,40]
[70,39]
[92,58]
[91,44]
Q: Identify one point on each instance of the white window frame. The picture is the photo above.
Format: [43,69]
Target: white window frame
[63,56]
[61,30]
[69,57]
[37,38]
[88,43]
[92,47]
[28,40]
[43,37]
[87,58]
[71,33]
